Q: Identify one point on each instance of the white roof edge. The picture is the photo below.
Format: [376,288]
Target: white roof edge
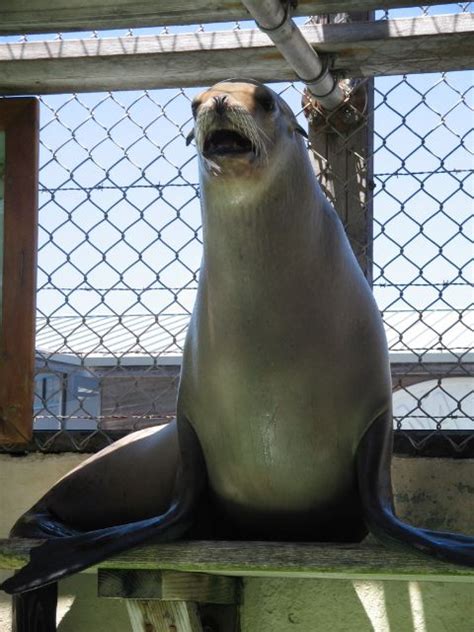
[429,357]
[133,361]
[98,361]
[175,360]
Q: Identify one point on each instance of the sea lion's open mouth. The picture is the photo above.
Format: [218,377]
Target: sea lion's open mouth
[223,142]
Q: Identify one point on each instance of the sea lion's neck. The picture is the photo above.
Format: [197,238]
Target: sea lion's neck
[254,222]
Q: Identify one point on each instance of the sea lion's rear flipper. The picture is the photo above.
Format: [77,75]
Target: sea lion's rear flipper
[59,557]
[35,610]
[62,556]
[373,471]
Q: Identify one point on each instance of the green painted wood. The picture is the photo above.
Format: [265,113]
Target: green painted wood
[271,559]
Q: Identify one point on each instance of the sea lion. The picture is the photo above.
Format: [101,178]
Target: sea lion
[284,418]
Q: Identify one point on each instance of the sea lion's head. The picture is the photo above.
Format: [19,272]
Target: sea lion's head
[240,125]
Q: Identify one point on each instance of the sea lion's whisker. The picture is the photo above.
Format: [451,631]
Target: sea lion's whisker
[213,166]
[246,124]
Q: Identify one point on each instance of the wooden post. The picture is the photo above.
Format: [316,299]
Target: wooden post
[163,616]
[19,128]
[342,155]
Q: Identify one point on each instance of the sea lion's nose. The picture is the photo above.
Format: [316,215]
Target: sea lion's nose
[220,103]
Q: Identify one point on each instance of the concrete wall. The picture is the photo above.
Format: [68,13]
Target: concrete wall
[305,605]
[22,481]
[435,493]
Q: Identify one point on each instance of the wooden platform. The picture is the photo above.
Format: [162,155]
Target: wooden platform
[197,586]
[269,559]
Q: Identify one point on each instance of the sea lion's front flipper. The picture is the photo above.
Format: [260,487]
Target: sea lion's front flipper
[59,557]
[373,470]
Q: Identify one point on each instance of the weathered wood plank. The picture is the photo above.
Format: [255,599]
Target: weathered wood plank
[270,559]
[167,586]
[424,44]
[163,616]
[46,16]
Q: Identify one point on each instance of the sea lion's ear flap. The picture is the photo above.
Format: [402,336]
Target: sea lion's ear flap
[302,131]
[190,137]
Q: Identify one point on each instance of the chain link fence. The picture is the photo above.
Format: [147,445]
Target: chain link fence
[120,244]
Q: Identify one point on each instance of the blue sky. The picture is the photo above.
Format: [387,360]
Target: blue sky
[115,168]
[95,158]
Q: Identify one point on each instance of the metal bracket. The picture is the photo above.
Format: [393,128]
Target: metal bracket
[347,117]
[288,6]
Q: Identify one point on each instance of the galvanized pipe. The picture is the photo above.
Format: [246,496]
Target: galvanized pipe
[273,18]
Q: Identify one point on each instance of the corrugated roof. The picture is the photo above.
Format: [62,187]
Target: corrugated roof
[439,332]
[108,337]
[141,338]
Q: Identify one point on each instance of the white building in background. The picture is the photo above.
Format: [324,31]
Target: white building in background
[421,406]
[77,357]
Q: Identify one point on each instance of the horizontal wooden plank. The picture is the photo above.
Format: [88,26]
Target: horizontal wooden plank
[425,44]
[46,16]
[270,559]
[167,585]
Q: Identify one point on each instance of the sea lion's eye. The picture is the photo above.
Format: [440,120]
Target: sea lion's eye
[194,108]
[267,102]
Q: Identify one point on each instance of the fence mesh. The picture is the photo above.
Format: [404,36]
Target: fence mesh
[120,244]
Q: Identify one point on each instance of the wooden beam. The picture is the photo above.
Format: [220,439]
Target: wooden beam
[425,44]
[392,47]
[270,559]
[47,16]
[161,597]
[167,586]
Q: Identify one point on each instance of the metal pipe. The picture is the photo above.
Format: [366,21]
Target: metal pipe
[273,18]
